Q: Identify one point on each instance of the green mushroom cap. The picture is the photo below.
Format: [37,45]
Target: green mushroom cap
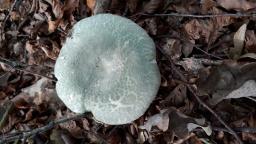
[108,67]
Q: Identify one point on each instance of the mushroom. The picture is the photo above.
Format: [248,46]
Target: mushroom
[108,67]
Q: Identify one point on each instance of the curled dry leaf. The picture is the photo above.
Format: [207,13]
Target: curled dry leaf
[199,29]
[239,5]
[178,122]
[60,9]
[239,39]
[160,120]
[246,90]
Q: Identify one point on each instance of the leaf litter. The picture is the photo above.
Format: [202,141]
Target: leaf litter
[215,55]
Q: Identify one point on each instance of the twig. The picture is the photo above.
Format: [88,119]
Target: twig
[26,134]
[231,131]
[237,129]
[205,52]
[201,16]
[18,65]
[250,98]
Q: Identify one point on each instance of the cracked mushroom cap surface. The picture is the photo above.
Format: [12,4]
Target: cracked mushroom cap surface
[108,67]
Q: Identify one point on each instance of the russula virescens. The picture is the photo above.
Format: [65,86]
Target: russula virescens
[108,67]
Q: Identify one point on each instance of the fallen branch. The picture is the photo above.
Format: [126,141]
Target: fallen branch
[190,88]
[237,15]
[6,138]
[237,129]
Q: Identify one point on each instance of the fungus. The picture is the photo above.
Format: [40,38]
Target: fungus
[108,67]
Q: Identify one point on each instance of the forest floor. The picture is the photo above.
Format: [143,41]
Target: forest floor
[205,53]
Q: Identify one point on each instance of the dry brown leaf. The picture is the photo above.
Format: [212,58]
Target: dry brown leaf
[239,5]
[5,4]
[239,39]
[152,6]
[250,41]
[176,97]
[61,137]
[71,125]
[132,5]
[221,21]
[207,5]
[199,29]
[91,4]
[172,48]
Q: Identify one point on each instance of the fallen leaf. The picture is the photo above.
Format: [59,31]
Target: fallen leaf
[239,39]
[132,5]
[207,5]
[5,4]
[71,125]
[246,90]
[230,80]
[160,120]
[37,88]
[91,4]
[197,29]
[191,64]
[178,122]
[152,6]
[248,55]
[182,124]
[176,97]
[250,41]
[172,48]
[239,5]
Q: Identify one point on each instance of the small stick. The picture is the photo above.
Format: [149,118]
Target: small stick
[237,129]
[17,66]
[201,16]
[26,134]
[231,131]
